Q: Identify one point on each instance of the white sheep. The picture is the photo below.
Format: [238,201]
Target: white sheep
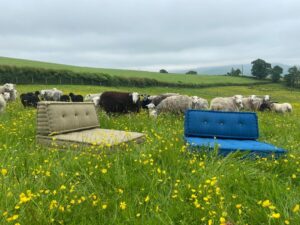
[233,104]
[6,96]
[177,104]
[51,95]
[281,107]
[2,103]
[8,87]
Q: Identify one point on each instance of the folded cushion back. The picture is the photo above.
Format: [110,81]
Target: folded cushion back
[236,125]
[64,117]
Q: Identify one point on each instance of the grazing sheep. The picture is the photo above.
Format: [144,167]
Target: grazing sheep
[51,95]
[281,107]
[64,98]
[2,103]
[159,98]
[120,102]
[233,104]
[177,104]
[8,87]
[76,98]
[30,99]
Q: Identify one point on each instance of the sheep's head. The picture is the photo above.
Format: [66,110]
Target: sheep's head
[135,97]
[238,99]
[266,98]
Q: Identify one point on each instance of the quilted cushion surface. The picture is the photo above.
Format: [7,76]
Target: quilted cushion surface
[234,125]
[62,117]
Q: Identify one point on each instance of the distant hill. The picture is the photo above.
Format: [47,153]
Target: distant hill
[173,78]
[221,70]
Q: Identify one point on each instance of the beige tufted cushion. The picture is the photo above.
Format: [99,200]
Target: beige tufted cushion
[63,117]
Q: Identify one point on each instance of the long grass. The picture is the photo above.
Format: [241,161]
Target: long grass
[158,182]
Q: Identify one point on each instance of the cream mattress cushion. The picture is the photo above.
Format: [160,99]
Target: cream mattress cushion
[96,136]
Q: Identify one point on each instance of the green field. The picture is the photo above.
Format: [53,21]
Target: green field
[158,182]
[171,78]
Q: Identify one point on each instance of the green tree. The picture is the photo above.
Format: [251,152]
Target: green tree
[191,72]
[276,72]
[163,71]
[293,77]
[260,68]
[234,72]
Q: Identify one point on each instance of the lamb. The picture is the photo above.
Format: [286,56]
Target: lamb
[177,104]
[76,98]
[281,107]
[120,102]
[2,103]
[233,104]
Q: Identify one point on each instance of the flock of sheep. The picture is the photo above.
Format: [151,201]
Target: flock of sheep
[123,102]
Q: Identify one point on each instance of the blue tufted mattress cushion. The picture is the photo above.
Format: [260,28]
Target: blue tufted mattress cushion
[234,125]
[226,146]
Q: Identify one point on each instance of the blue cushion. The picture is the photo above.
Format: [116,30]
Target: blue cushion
[234,125]
[226,146]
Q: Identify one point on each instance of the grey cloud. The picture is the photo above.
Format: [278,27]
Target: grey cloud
[151,34]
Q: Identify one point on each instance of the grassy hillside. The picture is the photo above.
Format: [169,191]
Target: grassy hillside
[157,182]
[171,78]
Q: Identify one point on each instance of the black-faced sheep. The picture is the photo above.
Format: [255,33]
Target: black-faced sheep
[120,102]
[233,104]
[76,98]
[30,99]
[177,104]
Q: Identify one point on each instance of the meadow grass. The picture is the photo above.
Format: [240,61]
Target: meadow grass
[170,78]
[158,182]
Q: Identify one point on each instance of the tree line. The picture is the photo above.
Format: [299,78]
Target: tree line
[262,70]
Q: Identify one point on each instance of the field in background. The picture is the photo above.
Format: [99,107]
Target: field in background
[171,78]
[158,182]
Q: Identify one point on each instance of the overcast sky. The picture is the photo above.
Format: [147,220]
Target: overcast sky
[151,34]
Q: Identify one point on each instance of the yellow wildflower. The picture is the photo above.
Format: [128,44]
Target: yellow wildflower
[147,198]
[4,172]
[266,203]
[275,215]
[123,205]
[296,208]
